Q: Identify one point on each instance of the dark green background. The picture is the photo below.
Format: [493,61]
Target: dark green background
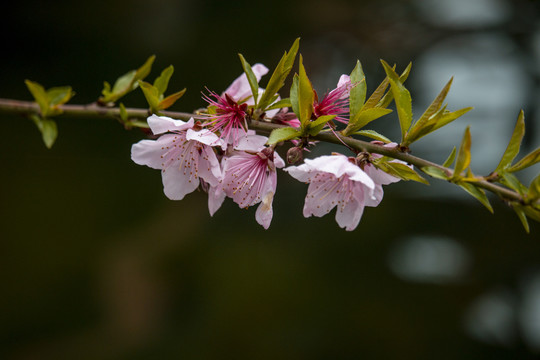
[95,262]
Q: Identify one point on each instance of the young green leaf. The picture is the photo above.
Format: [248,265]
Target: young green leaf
[399,170]
[283,134]
[317,125]
[512,182]
[170,100]
[534,189]
[477,193]
[431,111]
[521,215]
[448,162]
[59,95]
[151,94]
[143,71]
[277,80]
[305,96]
[387,98]
[377,95]
[402,98]
[373,135]
[39,94]
[123,113]
[515,142]
[529,160]
[252,79]
[435,172]
[280,104]
[47,128]
[464,155]
[363,118]
[162,81]
[358,91]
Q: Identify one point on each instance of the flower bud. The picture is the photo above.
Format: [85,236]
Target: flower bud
[294,155]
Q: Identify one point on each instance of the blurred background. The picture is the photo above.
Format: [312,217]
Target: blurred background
[95,262]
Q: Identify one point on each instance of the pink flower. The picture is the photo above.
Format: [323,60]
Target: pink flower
[335,180]
[231,107]
[336,102]
[183,153]
[250,178]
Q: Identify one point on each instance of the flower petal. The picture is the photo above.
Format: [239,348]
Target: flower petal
[240,89]
[251,143]
[204,136]
[163,124]
[264,212]
[349,216]
[177,184]
[149,152]
[216,196]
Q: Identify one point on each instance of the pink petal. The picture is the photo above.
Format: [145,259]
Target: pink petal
[163,124]
[149,152]
[240,89]
[204,136]
[216,196]
[349,216]
[252,143]
[176,184]
[264,212]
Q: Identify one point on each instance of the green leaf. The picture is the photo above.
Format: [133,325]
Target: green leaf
[430,113]
[512,182]
[252,79]
[373,135]
[123,113]
[283,134]
[151,94]
[171,99]
[47,128]
[39,94]
[358,92]
[317,125]
[162,81]
[532,213]
[534,189]
[305,96]
[143,71]
[377,95]
[59,95]
[402,98]
[435,172]
[126,83]
[365,117]
[399,170]
[477,193]
[464,155]
[529,160]
[515,142]
[294,96]
[448,162]
[387,98]
[277,80]
[522,217]
[280,104]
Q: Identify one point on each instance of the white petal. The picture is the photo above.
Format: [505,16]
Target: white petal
[344,80]
[209,168]
[203,136]
[216,196]
[149,152]
[264,212]
[349,216]
[251,143]
[301,172]
[375,199]
[379,176]
[163,124]
[176,184]
[278,161]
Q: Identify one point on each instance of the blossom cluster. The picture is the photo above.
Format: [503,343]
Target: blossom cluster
[219,154]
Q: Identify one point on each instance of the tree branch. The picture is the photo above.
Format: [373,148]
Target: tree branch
[94,110]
